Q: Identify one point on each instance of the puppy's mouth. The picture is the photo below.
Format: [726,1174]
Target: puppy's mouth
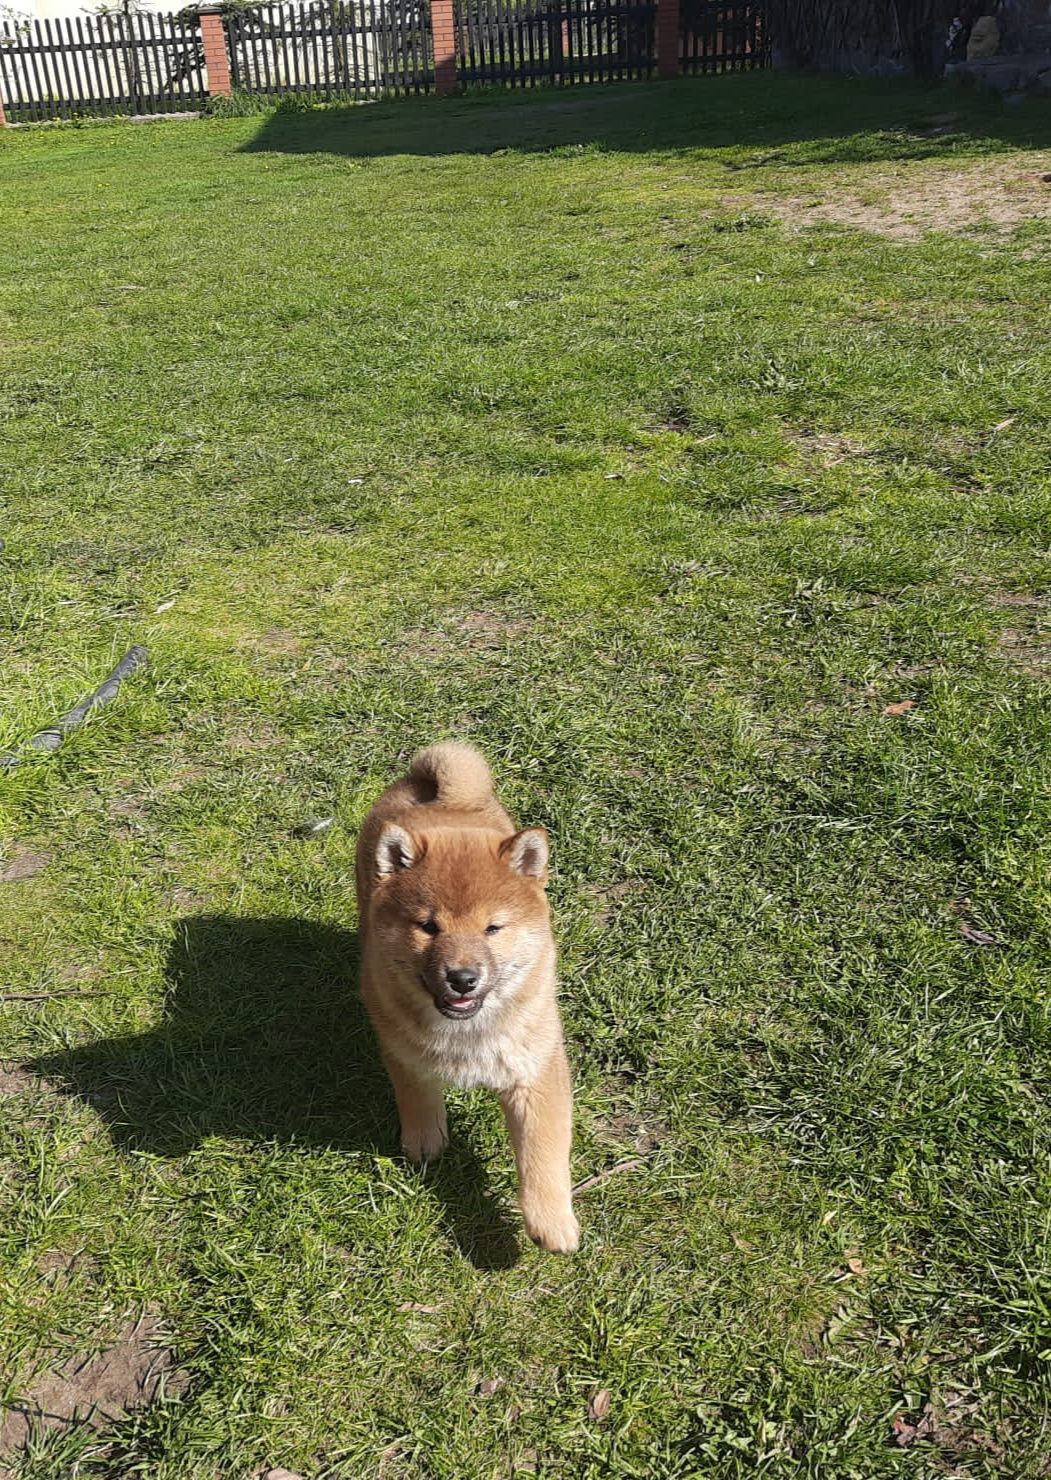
[455,1007]
[459,1007]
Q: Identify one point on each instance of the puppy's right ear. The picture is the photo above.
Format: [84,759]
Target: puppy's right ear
[395,851]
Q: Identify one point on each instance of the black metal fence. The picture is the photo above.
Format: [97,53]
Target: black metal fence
[716,36]
[563,42]
[356,49]
[146,63]
[332,48]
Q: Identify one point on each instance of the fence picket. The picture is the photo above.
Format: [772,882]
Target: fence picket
[65,47]
[259,43]
[41,93]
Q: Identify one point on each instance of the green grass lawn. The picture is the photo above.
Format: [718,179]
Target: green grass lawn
[581,426]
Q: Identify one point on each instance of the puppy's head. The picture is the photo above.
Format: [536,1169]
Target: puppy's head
[461,912]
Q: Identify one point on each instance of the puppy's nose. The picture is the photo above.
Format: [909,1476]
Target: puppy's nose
[462,979]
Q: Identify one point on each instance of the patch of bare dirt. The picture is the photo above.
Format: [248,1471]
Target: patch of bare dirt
[24,863]
[1026,643]
[831,448]
[127,806]
[1023,599]
[133,804]
[76,973]
[181,779]
[185,900]
[625,1125]
[608,898]
[485,629]
[276,640]
[1027,650]
[474,631]
[14,1080]
[640,1134]
[59,1264]
[904,201]
[95,1388]
[261,736]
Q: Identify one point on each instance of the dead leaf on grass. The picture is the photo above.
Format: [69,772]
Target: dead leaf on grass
[977,937]
[313,827]
[742,1243]
[902,707]
[904,1433]
[489,1386]
[927,1428]
[598,1405]
[423,1310]
[854,1262]
[1001,426]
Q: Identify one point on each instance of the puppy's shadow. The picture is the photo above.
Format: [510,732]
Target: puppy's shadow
[264,1038]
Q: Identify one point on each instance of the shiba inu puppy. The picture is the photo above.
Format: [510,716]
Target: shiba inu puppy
[458,971]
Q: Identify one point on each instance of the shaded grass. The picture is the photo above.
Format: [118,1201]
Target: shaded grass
[375,434]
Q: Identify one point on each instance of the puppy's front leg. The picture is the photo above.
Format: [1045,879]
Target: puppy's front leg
[540,1119]
[421,1110]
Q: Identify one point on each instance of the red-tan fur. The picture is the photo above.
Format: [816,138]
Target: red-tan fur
[439,850]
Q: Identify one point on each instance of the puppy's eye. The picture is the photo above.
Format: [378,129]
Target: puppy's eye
[429,927]
[492,929]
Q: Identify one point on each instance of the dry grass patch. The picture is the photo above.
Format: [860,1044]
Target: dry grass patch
[906,200]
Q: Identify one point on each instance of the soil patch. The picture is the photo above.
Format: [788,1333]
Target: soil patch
[906,201]
[95,1388]
[474,631]
[1027,650]
[15,1080]
[23,864]
[831,448]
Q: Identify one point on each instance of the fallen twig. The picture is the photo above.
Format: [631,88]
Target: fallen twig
[620,1166]
[50,739]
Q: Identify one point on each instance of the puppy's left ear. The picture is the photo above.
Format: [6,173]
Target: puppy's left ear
[395,851]
[527,853]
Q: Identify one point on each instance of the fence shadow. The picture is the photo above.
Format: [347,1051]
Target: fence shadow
[264,1038]
[816,119]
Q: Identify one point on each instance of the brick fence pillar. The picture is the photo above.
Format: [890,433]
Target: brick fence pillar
[667,38]
[216,57]
[443,25]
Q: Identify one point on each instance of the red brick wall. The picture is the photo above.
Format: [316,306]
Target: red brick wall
[216,59]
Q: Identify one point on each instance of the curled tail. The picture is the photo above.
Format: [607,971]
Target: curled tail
[452,775]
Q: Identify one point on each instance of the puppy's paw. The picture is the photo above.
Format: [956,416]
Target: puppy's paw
[424,1142]
[552,1227]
